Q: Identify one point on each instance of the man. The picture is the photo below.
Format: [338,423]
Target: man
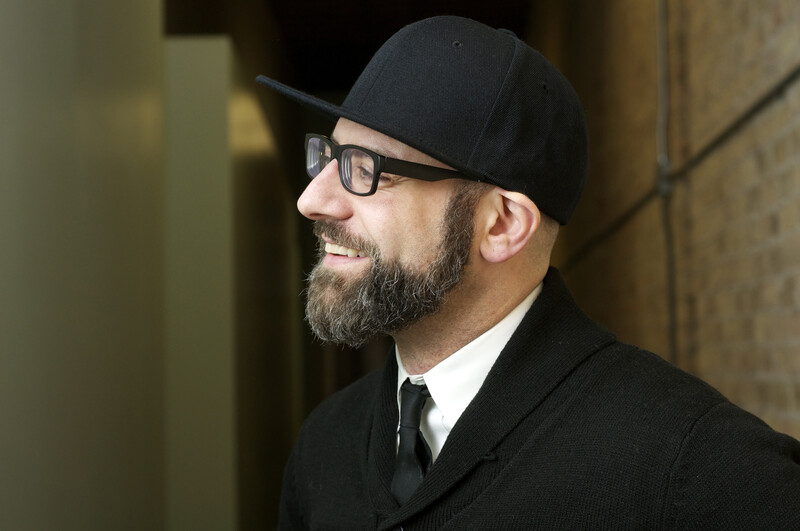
[437,200]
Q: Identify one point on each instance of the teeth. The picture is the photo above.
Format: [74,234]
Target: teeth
[332,248]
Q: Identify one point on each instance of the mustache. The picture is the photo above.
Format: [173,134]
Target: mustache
[341,236]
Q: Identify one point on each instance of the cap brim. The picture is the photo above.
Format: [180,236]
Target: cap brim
[312,102]
[328,109]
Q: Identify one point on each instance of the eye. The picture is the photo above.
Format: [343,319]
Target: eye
[360,167]
[364,173]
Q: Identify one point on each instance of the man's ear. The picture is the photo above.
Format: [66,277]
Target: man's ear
[511,222]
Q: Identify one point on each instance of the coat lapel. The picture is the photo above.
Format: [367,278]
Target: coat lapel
[553,338]
[383,441]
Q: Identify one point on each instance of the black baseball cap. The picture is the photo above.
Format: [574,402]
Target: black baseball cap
[478,99]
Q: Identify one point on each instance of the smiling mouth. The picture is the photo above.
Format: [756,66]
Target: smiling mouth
[332,248]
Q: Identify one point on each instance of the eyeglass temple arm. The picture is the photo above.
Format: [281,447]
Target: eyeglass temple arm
[424,172]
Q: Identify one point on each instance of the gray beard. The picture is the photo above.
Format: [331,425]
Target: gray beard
[390,296]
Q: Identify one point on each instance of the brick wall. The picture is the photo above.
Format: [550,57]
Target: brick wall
[738,235]
[734,210]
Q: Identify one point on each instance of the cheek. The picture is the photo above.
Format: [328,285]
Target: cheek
[407,224]
[417,234]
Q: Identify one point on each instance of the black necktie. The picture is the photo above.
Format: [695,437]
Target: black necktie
[413,453]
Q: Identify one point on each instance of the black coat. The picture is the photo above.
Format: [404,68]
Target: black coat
[571,429]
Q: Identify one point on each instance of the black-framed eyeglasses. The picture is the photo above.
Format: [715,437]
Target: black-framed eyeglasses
[360,168]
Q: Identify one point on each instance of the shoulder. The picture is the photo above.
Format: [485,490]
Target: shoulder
[724,465]
[627,382]
[639,371]
[655,397]
[732,470]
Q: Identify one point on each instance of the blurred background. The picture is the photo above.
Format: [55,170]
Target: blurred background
[154,366]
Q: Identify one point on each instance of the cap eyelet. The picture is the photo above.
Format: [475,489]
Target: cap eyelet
[457,44]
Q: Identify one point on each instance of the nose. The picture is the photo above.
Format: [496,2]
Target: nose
[325,198]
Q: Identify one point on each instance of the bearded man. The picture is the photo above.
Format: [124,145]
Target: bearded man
[437,201]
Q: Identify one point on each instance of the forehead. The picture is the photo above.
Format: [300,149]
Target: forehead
[348,132]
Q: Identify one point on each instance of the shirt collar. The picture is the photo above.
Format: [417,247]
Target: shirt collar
[455,381]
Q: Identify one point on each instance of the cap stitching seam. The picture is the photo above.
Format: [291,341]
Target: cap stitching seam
[375,78]
[494,106]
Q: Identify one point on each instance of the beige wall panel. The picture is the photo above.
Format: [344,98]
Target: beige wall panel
[200,347]
[80,266]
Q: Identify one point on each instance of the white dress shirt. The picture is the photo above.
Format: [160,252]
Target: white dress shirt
[455,381]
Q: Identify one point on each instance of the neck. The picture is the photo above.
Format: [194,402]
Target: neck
[465,315]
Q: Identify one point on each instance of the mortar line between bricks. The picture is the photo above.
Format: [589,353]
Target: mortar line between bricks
[737,125]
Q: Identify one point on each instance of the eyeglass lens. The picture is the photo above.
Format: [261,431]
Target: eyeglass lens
[356,167]
[358,170]
[318,155]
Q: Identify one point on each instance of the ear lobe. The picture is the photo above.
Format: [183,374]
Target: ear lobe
[514,219]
